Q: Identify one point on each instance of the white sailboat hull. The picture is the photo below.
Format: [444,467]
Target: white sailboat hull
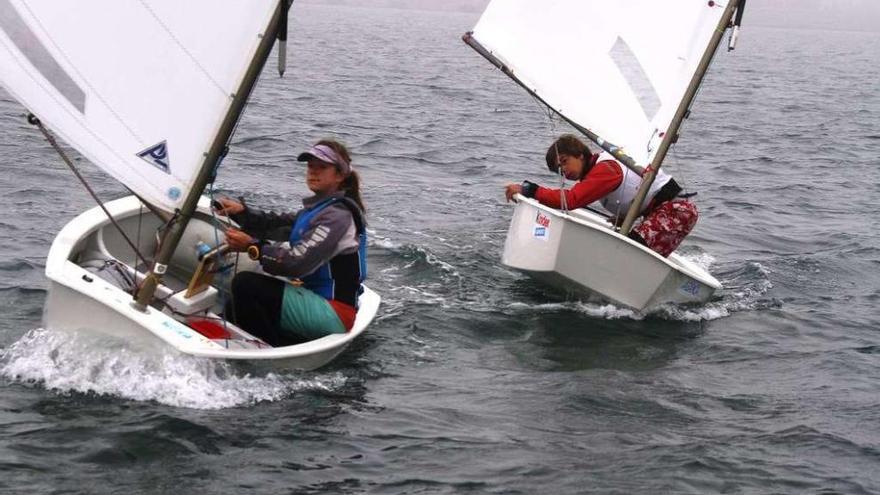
[81,299]
[579,251]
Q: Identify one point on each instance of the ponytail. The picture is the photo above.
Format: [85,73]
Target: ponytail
[352,187]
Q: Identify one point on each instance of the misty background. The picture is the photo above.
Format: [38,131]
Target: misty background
[838,15]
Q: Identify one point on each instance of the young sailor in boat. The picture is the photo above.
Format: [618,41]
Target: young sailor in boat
[317,256]
[667,218]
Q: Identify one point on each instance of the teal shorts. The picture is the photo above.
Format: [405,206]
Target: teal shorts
[307,314]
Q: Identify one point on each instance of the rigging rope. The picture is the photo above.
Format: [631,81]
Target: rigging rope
[563,200]
[550,114]
[216,224]
[223,271]
[33,120]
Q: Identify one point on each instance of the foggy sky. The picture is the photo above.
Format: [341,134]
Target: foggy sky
[860,15]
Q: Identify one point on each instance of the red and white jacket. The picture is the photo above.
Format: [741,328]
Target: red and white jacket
[608,182]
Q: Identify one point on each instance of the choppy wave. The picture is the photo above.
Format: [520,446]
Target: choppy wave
[744,288]
[68,362]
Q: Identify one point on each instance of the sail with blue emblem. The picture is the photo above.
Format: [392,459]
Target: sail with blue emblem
[139,88]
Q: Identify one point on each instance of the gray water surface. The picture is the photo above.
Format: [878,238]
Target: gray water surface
[473,378]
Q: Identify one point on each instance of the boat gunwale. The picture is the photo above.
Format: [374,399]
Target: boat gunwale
[674,261]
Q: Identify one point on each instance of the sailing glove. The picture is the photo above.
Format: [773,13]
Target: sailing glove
[529,189]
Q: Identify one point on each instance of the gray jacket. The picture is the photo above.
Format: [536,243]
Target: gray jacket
[330,233]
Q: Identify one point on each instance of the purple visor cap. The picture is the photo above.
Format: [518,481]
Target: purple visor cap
[325,154]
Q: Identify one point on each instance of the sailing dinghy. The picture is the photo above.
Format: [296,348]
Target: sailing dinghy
[624,73]
[150,91]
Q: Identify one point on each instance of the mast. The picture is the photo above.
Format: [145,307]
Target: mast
[680,114]
[611,148]
[239,99]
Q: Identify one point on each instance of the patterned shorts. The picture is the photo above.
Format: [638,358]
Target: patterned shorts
[667,225]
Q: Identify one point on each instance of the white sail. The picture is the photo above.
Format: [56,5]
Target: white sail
[139,87]
[619,68]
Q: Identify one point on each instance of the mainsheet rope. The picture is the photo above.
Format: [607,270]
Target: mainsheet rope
[217,225]
[563,200]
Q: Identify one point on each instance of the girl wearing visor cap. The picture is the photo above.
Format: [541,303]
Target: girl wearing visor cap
[316,256]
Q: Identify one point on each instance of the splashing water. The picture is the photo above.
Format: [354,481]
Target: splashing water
[80,362]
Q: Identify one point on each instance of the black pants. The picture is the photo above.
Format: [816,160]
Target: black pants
[256,307]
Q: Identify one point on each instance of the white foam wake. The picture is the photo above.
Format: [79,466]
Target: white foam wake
[746,292]
[78,362]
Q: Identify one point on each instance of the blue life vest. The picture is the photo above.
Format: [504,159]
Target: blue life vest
[339,278]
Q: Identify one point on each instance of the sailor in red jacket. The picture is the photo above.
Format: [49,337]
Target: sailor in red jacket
[667,218]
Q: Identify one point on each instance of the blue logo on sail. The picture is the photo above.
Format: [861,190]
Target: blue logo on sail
[158,156]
